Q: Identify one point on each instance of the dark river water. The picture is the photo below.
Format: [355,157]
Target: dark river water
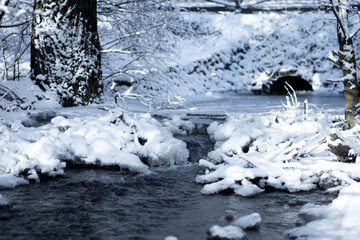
[106,204]
[109,204]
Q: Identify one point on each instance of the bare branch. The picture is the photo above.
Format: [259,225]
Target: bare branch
[227,4]
[337,17]
[332,58]
[14,25]
[356,31]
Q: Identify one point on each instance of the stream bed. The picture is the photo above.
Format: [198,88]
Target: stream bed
[110,204]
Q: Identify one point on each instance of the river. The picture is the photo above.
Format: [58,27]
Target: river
[108,204]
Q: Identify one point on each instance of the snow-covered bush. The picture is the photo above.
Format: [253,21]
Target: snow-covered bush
[286,150]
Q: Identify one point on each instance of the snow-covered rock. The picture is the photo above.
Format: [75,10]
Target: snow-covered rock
[251,221]
[171,238]
[226,233]
[339,220]
[8,180]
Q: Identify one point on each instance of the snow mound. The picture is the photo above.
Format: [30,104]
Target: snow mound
[339,220]
[179,126]
[251,221]
[285,150]
[10,181]
[171,238]
[227,232]
[130,141]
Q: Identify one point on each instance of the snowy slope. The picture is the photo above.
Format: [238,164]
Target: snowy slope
[248,51]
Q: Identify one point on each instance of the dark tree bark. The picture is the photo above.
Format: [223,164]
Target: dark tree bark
[65,50]
[345,58]
[238,4]
[2,13]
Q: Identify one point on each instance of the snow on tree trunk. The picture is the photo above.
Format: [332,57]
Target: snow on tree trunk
[65,50]
[345,58]
[348,66]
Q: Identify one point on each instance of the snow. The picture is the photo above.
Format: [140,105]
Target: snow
[227,232]
[10,181]
[299,41]
[170,238]
[111,139]
[235,231]
[179,126]
[285,150]
[339,220]
[251,221]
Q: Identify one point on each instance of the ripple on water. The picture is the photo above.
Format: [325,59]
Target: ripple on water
[104,204]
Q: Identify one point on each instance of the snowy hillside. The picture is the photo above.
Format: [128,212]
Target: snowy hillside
[248,51]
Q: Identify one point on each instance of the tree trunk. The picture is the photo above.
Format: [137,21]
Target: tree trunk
[238,4]
[65,50]
[348,67]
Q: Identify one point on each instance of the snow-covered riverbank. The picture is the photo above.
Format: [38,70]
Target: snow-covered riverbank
[117,138]
[284,149]
[288,150]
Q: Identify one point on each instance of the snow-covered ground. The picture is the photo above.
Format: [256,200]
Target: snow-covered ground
[243,52]
[339,220]
[248,51]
